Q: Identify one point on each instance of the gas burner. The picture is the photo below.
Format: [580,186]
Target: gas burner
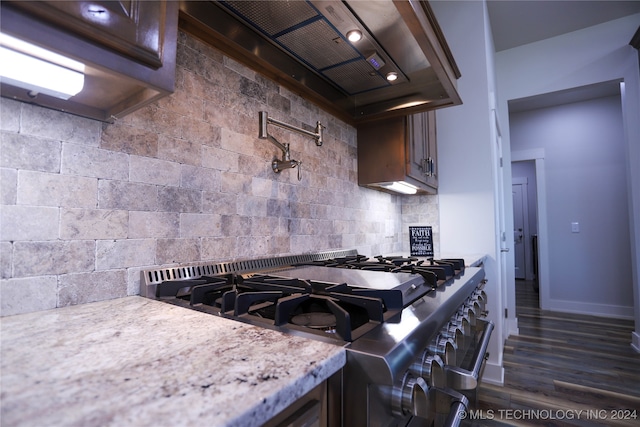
[313,306]
[344,311]
[322,321]
[398,261]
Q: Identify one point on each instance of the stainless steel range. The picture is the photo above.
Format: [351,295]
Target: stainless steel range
[413,330]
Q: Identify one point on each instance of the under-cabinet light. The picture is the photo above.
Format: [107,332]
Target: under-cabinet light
[400,187]
[407,105]
[39,70]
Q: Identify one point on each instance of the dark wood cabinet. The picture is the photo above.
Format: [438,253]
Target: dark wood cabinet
[133,28]
[422,156]
[399,149]
[128,48]
[310,410]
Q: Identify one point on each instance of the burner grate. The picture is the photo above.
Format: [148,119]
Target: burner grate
[149,279]
[435,273]
[297,303]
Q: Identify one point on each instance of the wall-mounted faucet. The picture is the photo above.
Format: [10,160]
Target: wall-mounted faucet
[286,162]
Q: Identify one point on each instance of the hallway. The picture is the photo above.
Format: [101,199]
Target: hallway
[562,364]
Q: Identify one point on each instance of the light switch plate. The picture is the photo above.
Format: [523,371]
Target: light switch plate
[575,227]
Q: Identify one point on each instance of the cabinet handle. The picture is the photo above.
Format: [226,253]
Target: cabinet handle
[427,166]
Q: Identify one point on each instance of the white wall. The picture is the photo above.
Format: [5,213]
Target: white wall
[592,55]
[583,142]
[468,211]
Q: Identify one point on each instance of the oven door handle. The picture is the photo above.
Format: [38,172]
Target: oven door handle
[451,407]
[462,379]
[456,414]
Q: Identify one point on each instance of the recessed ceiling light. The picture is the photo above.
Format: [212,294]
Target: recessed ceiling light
[354,36]
[392,76]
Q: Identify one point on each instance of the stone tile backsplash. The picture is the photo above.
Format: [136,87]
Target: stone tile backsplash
[86,205]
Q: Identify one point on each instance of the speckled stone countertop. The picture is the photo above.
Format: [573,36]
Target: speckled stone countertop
[139,362]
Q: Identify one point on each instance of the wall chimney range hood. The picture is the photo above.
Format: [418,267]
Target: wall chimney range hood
[401,64]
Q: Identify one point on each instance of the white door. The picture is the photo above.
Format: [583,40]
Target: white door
[519,225]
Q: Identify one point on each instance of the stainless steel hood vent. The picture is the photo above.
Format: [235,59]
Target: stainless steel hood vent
[299,28]
[303,45]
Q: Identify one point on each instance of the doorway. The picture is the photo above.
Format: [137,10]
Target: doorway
[528,177]
[525,218]
[573,140]
[520,227]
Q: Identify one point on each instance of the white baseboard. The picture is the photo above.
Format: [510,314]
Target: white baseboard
[493,374]
[635,341]
[591,309]
[511,326]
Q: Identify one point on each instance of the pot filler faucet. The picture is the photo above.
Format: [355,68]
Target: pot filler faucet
[286,162]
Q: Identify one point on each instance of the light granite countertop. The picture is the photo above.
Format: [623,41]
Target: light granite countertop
[139,362]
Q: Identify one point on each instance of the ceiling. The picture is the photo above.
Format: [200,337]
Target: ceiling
[518,22]
[567,96]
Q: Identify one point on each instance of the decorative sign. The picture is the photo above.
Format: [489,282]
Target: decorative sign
[421,241]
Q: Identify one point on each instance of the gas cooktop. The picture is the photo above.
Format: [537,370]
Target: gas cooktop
[413,330]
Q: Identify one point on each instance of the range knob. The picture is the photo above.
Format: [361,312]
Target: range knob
[453,332]
[475,307]
[462,322]
[445,348]
[481,297]
[480,302]
[430,367]
[465,311]
[412,398]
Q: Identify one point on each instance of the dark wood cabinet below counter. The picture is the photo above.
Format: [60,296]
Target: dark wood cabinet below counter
[399,149]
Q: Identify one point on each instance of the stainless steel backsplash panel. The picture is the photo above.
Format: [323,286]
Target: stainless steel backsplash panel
[151,277]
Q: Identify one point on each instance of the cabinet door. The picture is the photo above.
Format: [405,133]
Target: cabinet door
[417,149]
[421,148]
[134,28]
[116,83]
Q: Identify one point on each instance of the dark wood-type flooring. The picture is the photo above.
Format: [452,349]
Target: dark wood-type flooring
[561,364]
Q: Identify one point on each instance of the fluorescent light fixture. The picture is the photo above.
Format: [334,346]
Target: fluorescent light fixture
[39,70]
[400,187]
